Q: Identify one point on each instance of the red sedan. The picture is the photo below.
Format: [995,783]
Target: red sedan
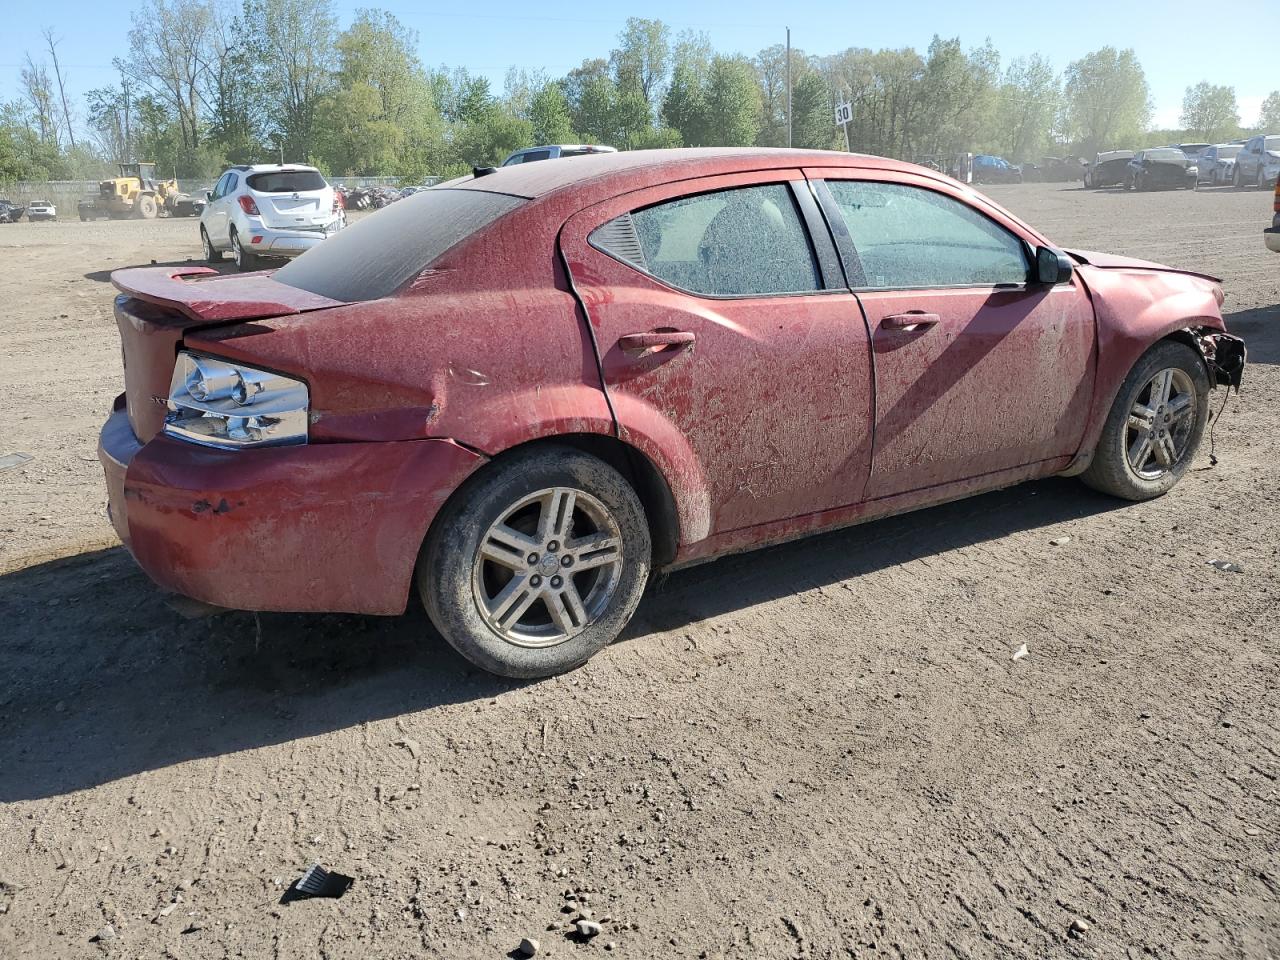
[523,392]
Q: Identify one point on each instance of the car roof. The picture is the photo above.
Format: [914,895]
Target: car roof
[269,167]
[606,174]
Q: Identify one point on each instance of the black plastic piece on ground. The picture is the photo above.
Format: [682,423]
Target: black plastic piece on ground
[318,882]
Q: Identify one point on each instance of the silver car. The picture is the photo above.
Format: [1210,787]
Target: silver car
[1217,164]
[1258,162]
[268,210]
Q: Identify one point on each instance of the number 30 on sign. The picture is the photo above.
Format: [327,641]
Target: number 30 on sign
[844,113]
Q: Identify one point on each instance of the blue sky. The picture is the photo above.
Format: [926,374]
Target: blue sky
[1177,44]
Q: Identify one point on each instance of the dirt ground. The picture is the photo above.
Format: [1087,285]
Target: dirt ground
[818,750]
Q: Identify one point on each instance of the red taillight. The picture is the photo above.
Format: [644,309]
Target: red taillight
[1276,206]
[338,203]
[248,206]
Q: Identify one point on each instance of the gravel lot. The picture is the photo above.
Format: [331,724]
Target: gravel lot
[817,750]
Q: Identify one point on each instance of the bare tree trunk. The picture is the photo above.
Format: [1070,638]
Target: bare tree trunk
[62,86]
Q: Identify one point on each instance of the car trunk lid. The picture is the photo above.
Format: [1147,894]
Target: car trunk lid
[298,211]
[158,305]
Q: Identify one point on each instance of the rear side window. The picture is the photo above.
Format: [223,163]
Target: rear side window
[286,181]
[910,237]
[374,257]
[747,242]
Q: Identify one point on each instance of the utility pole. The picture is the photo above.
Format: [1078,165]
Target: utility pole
[788,86]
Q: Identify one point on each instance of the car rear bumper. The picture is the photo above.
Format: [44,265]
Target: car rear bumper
[274,242]
[1271,237]
[319,527]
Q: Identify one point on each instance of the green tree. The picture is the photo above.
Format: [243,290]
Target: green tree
[813,126]
[1108,102]
[1210,112]
[549,116]
[732,103]
[684,108]
[295,46]
[1269,116]
[643,58]
[491,136]
[1028,102]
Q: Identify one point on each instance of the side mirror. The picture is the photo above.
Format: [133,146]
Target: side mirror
[208,194]
[1053,266]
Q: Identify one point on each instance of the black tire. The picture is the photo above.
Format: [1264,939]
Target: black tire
[447,568]
[211,253]
[1110,470]
[246,262]
[147,208]
[1237,181]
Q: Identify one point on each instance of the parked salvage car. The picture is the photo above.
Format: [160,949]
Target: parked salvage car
[1109,169]
[41,210]
[1258,162]
[10,212]
[1271,235]
[1216,164]
[521,394]
[555,151]
[989,169]
[1160,168]
[268,210]
[1191,150]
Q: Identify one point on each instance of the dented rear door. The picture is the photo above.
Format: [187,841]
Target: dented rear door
[751,375]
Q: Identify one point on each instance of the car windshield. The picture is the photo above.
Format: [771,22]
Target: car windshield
[1227,152]
[1169,155]
[286,181]
[373,258]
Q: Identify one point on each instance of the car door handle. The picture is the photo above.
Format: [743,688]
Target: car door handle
[640,342]
[911,320]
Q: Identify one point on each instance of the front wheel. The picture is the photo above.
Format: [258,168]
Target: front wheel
[1154,427]
[537,563]
[211,253]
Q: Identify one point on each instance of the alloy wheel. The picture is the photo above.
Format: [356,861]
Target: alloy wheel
[547,567]
[1161,423]
[235,247]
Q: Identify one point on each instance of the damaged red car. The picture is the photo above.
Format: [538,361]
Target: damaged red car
[520,394]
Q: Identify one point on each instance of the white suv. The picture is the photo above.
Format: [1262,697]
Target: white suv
[268,210]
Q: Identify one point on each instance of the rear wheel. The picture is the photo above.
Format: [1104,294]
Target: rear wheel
[1262,179]
[245,261]
[1155,424]
[537,563]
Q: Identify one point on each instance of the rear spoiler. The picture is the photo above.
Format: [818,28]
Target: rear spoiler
[201,293]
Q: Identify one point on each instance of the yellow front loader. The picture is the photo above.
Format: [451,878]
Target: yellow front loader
[138,193]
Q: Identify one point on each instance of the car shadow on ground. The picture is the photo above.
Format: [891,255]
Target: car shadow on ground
[104,276]
[105,680]
[1260,328]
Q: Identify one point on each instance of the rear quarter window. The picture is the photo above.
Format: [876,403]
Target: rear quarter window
[286,181]
[377,255]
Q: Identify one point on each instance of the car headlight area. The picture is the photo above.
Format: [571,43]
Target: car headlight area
[217,403]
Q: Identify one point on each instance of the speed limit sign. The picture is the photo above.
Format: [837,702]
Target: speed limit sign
[844,113]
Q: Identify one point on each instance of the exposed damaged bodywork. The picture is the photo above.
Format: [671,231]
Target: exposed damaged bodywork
[740,416]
